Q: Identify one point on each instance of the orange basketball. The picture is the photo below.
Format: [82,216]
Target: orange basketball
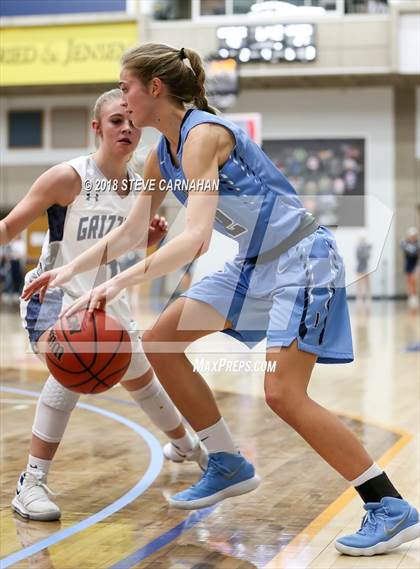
[88,352]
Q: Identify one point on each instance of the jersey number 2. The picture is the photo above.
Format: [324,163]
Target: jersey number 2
[234,229]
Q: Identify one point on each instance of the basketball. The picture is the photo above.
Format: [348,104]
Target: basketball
[88,352]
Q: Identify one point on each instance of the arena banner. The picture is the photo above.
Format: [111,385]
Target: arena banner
[53,7]
[68,54]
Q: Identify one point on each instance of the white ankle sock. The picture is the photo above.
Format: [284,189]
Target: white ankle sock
[217,438]
[368,474]
[37,465]
[185,443]
[157,405]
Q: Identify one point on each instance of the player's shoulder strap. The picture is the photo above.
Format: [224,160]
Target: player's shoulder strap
[80,165]
[195,117]
[133,174]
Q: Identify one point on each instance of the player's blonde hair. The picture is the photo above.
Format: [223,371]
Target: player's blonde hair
[181,70]
[112,95]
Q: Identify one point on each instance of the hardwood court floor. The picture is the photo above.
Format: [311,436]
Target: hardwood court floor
[290,521]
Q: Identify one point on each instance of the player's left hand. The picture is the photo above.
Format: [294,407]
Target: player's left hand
[157,230]
[95,299]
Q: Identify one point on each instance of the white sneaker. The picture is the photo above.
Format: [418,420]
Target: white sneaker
[197,454]
[31,500]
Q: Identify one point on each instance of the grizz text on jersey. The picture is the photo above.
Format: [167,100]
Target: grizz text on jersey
[96,226]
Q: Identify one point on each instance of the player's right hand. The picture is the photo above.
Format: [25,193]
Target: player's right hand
[49,279]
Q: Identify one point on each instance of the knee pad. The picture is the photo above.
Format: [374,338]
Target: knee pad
[58,397]
[157,405]
[53,410]
[139,364]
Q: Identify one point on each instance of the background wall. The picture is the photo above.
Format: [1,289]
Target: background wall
[407,171]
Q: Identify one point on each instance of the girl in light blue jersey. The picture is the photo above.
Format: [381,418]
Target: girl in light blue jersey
[286,283]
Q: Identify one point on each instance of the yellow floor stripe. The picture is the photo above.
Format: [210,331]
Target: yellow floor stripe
[298,543]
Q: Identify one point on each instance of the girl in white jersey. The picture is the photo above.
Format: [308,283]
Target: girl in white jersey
[288,274]
[84,199]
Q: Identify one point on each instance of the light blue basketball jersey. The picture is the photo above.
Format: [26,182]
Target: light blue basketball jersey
[257,205]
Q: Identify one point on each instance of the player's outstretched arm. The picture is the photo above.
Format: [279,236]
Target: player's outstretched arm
[200,165]
[58,185]
[132,234]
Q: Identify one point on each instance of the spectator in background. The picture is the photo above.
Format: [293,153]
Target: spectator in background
[162,10]
[366,6]
[14,255]
[410,246]
[3,268]
[363,251]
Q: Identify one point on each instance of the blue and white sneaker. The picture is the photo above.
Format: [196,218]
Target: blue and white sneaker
[227,475]
[387,524]
[31,499]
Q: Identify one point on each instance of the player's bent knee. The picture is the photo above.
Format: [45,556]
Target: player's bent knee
[139,367]
[273,400]
[148,337]
[155,340]
[132,384]
[53,410]
[158,334]
[161,340]
[283,401]
[57,396]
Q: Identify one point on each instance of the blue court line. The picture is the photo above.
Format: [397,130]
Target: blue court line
[155,466]
[163,539]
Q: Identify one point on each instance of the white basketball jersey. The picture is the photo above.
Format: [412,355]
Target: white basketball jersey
[75,228]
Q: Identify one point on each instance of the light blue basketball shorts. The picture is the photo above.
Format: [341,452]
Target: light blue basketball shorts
[301,295]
